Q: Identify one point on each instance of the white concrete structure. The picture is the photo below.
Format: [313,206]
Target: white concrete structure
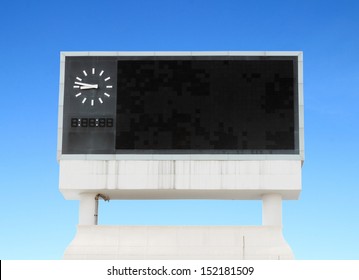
[272,209]
[177,179]
[179,242]
[266,177]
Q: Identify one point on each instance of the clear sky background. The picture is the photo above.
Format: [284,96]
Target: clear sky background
[36,222]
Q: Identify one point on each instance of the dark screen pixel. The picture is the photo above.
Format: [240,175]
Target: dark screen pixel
[173,105]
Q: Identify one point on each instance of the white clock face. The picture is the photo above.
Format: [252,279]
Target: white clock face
[93,86]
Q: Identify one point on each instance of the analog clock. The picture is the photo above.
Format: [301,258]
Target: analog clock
[93,86]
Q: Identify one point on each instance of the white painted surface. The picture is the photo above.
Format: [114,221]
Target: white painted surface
[179,242]
[272,210]
[172,179]
[87,209]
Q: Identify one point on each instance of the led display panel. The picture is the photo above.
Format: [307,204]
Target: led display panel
[206,105]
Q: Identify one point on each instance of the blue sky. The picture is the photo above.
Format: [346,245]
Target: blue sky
[36,222]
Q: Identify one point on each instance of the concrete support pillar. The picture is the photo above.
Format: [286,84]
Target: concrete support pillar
[272,210]
[87,209]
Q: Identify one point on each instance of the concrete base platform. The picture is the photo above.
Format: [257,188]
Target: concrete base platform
[178,242]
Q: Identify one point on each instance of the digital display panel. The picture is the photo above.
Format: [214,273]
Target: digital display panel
[180,105]
[207,104]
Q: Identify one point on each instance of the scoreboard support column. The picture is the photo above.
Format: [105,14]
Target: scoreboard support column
[272,210]
[87,210]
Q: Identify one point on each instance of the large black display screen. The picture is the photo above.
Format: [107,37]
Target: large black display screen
[241,105]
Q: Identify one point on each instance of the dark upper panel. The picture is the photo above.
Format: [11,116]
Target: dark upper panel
[207,105]
[89,105]
[181,105]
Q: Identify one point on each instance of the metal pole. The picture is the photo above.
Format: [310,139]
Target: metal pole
[97,197]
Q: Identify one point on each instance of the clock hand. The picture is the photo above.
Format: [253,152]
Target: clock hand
[86,86]
[89,87]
